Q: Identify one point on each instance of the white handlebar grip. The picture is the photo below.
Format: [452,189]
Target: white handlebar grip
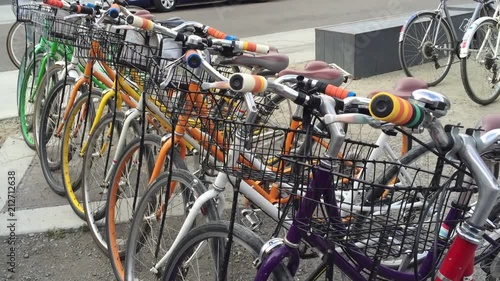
[240,82]
[140,22]
[252,47]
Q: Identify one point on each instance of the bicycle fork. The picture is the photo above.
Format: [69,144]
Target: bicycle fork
[458,264]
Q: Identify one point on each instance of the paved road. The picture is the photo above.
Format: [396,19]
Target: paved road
[253,19]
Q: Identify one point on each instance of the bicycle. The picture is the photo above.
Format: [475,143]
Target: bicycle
[431,47]
[145,210]
[350,257]
[479,59]
[17,37]
[133,115]
[191,135]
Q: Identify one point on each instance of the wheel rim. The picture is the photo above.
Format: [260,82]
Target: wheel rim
[19,39]
[169,4]
[482,68]
[426,51]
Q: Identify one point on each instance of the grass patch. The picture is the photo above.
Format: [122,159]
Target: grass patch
[56,234]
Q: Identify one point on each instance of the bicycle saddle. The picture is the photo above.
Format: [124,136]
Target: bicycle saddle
[272,61]
[318,70]
[404,87]
[489,122]
[145,14]
[171,22]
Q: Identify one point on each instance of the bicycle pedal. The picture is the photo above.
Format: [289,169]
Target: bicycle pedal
[304,254]
[250,219]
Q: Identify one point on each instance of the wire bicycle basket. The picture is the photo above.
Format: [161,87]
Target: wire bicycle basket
[379,211]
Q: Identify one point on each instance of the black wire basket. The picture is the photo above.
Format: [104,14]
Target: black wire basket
[385,210]
[99,44]
[24,10]
[225,132]
[143,50]
[29,13]
[59,30]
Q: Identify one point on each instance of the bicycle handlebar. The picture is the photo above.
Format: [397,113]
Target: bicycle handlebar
[79,9]
[146,24]
[114,10]
[392,109]
[56,3]
[193,59]
[72,8]
[219,34]
[248,82]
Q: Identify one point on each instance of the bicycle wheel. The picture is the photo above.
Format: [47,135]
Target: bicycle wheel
[50,78]
[480,70]
[102,146]
[149,241]
[74,137]
[200,254]
[426,49]
[51,126]
[273,120]
[27,99]
[16,38]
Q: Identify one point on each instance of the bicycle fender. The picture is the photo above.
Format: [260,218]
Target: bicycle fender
[405,25]
[467,38]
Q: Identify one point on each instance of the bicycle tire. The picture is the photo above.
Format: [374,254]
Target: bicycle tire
[137,263]
[28,56]
[95,150]
[429,50]
[114,237]
[217,232]
[70,152]
[49,79]
[484,64]
[26,98]
[51,169]
[9,42]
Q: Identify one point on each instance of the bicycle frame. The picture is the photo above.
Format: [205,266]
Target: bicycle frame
[246,187]
[470,233]
[219,184]
[443,12]
[459,261]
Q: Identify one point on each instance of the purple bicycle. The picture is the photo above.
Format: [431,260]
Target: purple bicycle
[396,233]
